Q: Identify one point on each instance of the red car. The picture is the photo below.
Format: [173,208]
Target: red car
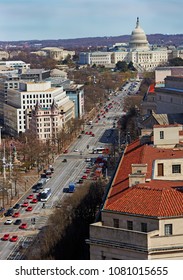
[66,151]
[29,208]
[23,226]
[84,177]
[16,215]
[90,132]
[5,237]
[30,196]
[34,200]
[87,171]
[25,204]
[93,135]
[86,132]
[14,238]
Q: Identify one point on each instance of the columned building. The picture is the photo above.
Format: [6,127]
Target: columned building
[138,51]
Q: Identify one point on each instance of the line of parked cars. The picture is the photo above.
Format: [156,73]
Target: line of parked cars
[13,211]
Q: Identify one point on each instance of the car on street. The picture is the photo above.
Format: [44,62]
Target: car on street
[52,169]
[14,238]
[9,212]
[87,171]
[18,222]
[29,209]
[34,200]
[25,204]
[76,150]
[30,196]
[23,226]
[80,181]
[16,215]
[84,177]
[5,237]
[8,222]
[66,151]
[64,160]
[16,206]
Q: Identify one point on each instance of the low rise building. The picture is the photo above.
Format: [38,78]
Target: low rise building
[58,53]
[15,64]
[46,123]
[143,212]
[165,96]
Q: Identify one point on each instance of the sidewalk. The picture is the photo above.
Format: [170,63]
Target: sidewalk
[19,188]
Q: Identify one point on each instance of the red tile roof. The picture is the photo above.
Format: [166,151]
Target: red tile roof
[145,154]
[148,201]
[151,88]
[167,125]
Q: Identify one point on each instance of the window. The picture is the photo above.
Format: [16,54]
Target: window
[161,134]
[168,229]
[144,227]
[130,225]
[116,223]
[176,168]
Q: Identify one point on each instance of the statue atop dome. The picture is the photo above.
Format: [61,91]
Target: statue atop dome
[137,23]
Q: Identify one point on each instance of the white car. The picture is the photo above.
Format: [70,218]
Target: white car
[8,222]
[76,150]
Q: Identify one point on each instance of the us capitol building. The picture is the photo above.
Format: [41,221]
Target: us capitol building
[145,57]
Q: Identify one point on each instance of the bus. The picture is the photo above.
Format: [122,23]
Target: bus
[100,150]
[45,194]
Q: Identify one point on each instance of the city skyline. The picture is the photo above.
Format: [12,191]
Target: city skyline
[69,19]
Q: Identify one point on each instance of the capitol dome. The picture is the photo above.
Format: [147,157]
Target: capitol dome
[138,38]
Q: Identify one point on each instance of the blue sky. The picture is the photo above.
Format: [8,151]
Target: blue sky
[66,19]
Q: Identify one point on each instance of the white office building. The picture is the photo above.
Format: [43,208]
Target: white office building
[20,103]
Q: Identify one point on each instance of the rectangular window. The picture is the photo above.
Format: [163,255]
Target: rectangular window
[176,168]
[161,134]
[168,229]
[144,227]
[130,225]
[116,223]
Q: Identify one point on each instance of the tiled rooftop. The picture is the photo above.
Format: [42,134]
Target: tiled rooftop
[124,199]
[149,201]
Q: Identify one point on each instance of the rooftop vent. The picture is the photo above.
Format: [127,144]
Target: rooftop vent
[148,180]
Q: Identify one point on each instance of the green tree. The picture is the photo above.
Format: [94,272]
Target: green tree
[177,61]
[122,66]
[68,227]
